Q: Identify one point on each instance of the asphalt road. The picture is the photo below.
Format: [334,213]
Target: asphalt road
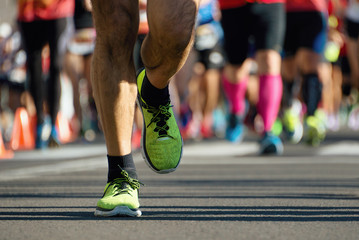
[220,191]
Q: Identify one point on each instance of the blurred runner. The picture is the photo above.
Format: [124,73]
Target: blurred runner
[306,35]
[45,22]
[262,22]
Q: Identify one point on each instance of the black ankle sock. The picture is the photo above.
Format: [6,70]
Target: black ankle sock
[154,96]
[287,99]
[312,92]
[118,163]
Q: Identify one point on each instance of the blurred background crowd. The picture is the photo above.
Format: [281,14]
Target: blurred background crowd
[234,82]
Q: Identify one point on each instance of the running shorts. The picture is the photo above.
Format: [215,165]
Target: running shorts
[263,23]
[305,30]
[352,28]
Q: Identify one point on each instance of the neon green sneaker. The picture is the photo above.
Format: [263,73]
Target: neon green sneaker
[315,128]
[277,127]
[161,141]
[292,125]
[120,198]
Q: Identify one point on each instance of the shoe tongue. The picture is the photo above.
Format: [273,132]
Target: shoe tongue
[124,184]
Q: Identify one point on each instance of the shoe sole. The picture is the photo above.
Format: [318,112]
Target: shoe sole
[271,149]
[237,139]
[119,211]
[297,135]
[143,138]
[314,138]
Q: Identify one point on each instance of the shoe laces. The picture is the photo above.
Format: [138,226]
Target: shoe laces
[160,117]
[121,185]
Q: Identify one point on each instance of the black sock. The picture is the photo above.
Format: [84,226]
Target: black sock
[346,89]
[312,92]
[287,99]
[118,163]
[154,96]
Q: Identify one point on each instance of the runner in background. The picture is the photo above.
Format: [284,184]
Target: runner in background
[263,22]
[352,43]
[204,86]
[330,68]
[45,22]
[352,31]
[306,36]
[77,67]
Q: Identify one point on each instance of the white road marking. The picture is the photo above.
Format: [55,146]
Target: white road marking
[342,148]
[220,149]
[65,152]
[208,153]
[56,168]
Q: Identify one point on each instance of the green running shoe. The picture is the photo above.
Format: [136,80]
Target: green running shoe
[161,141]
[120,198]
[292,125]
[277,127]
[315,129]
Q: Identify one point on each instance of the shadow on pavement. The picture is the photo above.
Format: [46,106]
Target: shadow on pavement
[194,213]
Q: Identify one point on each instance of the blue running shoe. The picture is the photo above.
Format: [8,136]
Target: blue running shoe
[41,138]
[235,129]
[54,141]
[271,145]
[43,131]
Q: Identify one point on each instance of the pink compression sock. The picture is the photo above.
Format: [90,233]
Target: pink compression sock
[236,93]
[270,96]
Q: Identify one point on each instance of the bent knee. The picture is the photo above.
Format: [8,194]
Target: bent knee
[174,30]
[116,21]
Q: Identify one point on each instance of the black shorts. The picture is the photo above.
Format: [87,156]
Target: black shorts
[352,28]
[209,46]
[343,62]
[305,30]
[212,58]
[264,23]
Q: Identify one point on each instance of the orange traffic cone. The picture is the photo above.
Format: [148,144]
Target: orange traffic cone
[4,154]
[22,137]
[65,133]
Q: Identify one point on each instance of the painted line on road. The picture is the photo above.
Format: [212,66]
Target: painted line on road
[345,148]
[82,165]
[197,154]
[272,160]
[220,149]
[65,152]
[56,168]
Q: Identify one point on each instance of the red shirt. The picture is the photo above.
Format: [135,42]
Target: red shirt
[306,5]
[30,10]
[226,4]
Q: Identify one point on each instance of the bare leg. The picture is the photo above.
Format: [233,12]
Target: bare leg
[212,80]
[166,47]
[73,69]
[113,71]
